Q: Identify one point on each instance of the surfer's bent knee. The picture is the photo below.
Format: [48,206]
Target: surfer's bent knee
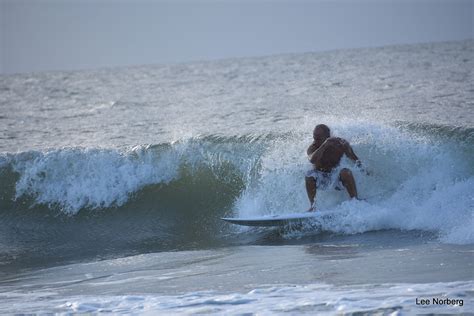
[345,173]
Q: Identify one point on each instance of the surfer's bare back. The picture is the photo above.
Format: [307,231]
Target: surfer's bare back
[325,154]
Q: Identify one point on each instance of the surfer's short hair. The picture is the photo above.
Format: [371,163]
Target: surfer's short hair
[325,128]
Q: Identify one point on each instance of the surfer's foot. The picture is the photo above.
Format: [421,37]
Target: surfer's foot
[312,209]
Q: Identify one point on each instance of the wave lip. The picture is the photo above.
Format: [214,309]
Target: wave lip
[73,179]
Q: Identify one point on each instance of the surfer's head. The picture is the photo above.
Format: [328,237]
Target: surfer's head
[320,133]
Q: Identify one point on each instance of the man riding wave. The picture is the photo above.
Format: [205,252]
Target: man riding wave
[325,154]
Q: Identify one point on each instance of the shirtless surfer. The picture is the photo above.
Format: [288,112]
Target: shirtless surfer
[325,153]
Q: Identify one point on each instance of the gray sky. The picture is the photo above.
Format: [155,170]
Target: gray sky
[73,34]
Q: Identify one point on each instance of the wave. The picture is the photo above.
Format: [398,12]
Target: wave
[71,180]
[421,179]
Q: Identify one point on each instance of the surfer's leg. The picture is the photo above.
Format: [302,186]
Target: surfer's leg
[311,190]
[348,182]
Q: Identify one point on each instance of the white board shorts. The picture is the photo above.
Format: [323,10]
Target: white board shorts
[326,180]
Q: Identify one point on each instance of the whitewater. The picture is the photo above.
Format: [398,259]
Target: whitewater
[113,183]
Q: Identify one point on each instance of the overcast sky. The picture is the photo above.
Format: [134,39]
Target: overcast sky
[38,35]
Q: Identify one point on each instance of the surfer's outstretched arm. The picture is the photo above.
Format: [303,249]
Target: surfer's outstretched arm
[350,152]
[351,155]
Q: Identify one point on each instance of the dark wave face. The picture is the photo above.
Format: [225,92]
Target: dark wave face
[68,203]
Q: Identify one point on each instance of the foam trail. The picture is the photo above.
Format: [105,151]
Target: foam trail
[312,298]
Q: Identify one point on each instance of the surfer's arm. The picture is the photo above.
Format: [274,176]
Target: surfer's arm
[350,152]
[318,153]
[311,149]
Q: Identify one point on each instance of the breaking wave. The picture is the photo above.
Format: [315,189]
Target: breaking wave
[421,178]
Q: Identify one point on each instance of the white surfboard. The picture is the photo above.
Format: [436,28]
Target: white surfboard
[274,220]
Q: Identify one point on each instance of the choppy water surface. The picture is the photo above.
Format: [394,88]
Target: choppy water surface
[143,161]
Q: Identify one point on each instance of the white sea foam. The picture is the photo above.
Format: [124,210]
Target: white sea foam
[415,183]
[77,178]
[395,299]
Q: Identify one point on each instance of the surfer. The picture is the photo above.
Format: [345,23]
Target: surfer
[325,153]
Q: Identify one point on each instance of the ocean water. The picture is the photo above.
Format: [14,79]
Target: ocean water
[113,183]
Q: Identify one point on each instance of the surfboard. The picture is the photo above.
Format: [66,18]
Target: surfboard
[273,220]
